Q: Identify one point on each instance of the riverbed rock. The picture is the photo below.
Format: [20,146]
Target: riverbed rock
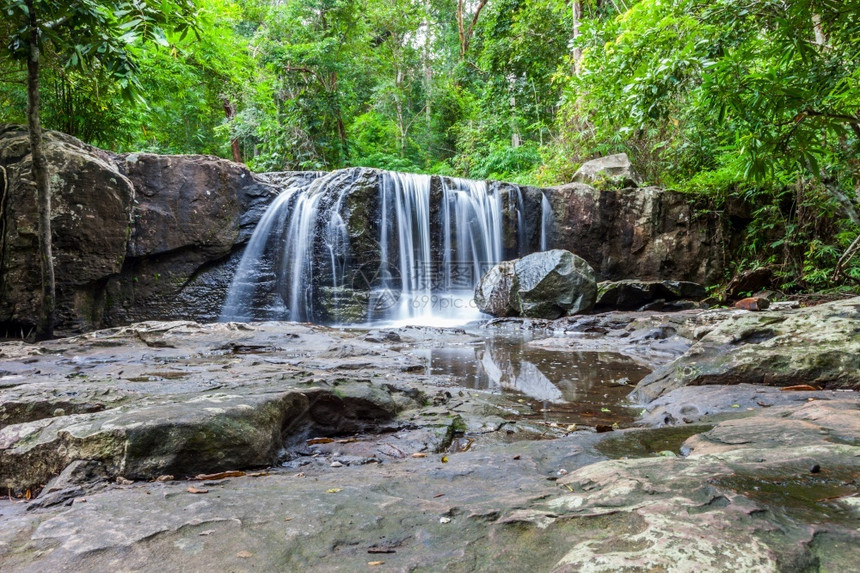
[612,169]
[541,285]
[818,345]
[389,463]
[630,294]
[597,502]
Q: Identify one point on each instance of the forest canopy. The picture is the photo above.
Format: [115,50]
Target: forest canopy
[750,101]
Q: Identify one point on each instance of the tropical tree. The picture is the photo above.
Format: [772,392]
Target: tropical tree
[85,36]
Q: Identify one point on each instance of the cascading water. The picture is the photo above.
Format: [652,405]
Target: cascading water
[545,221]
[360,245]
[405,232]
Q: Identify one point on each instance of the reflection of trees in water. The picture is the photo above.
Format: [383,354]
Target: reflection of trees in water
[550,376]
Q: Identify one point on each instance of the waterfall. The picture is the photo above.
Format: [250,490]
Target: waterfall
[360,245]
[545,221]
[405,221]
[472,238]
[522,236]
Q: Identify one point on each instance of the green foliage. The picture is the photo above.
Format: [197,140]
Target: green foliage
[89,64]
[753,104]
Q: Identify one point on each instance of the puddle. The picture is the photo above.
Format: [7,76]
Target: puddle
[588,388]
[651,442]
[814,498]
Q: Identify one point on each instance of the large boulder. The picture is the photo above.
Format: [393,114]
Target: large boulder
[91,223]
[613,169]
[541,285]
[495,293]
[818,346]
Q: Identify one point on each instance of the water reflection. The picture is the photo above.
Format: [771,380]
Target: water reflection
[586,387]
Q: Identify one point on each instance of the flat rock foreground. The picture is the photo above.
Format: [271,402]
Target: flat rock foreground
[508,447]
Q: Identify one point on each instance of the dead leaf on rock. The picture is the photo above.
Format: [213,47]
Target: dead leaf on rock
[315,441]
[196,490]
[334,490]
[244,554]
[375,563]
[419,455]
[799,388]
[219,475]
[167,477]
[257,474]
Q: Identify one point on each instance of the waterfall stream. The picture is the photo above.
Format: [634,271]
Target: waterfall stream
[545,221]
[364,246]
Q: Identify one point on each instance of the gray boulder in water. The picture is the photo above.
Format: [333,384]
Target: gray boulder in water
[541,285]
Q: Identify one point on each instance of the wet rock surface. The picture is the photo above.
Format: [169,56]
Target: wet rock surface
[277,446]
[819,346]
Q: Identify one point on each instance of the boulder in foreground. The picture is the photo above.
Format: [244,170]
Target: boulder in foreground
[547,285]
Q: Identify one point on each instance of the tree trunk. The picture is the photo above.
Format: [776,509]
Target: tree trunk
[465,31]
[818,29]
[230,112]
[45,324]
[428,71]
[576,10]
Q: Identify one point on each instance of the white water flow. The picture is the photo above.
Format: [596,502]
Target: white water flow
[522,240]
[254,268]
[472,221]
[300,264]
[545,221]
[405,222]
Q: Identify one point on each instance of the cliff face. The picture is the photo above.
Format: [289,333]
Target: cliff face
[91,220]
[136,237]
[144,237]
[645,233]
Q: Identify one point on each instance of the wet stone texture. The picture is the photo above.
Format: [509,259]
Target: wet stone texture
[274,446]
